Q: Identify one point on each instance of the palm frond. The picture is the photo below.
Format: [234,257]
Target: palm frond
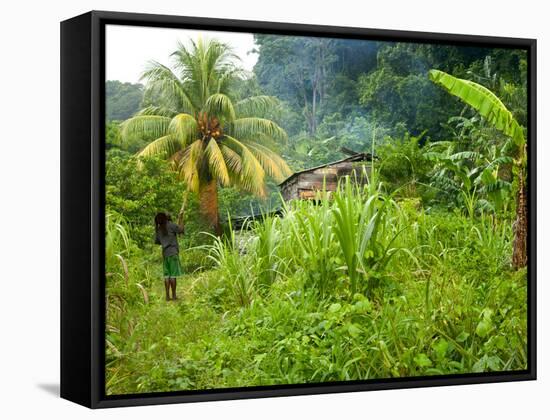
[250,127]
[184,128]
[219,57]
[205,67]
[266,141]
[256,106]
[233,161]
[274,165]
[252,174]
[228,77]
[157,111]
[216,162]
[189,165]
[144,126]
[164,146]
[220,106]
[161,81]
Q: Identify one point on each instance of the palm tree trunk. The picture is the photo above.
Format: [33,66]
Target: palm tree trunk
[519,256]
[208,205]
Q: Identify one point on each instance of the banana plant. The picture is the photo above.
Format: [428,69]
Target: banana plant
[495,112]
[468,174]
[463,176]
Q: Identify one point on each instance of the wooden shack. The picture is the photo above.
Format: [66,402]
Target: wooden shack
[305,184]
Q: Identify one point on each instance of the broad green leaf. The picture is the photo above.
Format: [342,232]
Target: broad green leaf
[335,307]
[363,306]
[483,327]
[482,100]
[440,347]
[422,360]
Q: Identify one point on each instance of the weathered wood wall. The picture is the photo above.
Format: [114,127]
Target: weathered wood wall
[305,184]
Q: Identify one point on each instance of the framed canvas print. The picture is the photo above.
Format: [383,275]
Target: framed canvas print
[254,209]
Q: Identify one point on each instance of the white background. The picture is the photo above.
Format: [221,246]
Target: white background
[29,175]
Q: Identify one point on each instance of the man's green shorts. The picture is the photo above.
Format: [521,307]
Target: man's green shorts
[171,266]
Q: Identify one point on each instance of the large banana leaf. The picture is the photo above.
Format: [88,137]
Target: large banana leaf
[482,100]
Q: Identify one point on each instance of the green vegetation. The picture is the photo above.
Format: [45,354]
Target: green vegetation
[415,273]
[496,113]
[432,294]
[210,139]
[122,99]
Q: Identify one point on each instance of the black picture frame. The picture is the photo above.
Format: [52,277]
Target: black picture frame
[82,207]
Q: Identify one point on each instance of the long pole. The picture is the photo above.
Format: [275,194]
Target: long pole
[183,205]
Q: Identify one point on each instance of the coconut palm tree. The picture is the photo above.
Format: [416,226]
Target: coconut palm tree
[211,138]
[495,112]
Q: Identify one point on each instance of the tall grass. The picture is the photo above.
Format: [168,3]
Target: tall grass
[353,286]
[225,253]
[117,245]
[307,231]
[363,226]
[344,240]
[265,247]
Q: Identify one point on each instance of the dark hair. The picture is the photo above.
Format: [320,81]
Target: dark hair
[161,220]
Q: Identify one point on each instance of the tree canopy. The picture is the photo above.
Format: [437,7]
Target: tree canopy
[122,99]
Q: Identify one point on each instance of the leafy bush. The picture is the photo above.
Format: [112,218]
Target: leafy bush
[140,191]
[404,166]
